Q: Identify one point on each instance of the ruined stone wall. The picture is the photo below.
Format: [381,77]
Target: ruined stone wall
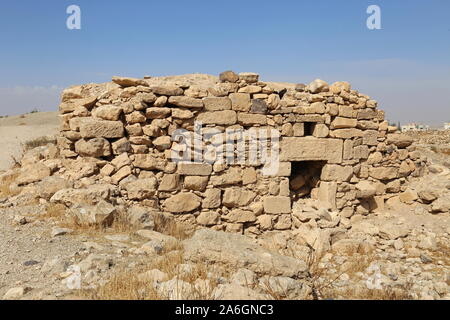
[335,148]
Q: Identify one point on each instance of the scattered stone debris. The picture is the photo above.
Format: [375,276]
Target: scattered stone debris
[354,210]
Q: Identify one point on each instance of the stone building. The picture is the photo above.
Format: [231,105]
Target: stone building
[336,151]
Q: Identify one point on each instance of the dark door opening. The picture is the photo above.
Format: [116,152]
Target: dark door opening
[305,176]
[309,128]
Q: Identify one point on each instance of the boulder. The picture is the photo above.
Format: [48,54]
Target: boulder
[96,128]
[100,214]
[365,189]
[129,82]
[96,147]
[141,189]
[240,101]
[228,76]
[276,205]
[182,202]
[400,140]
[237,251]
[186,102]
[317,86]
[167,90]
[107,112]
[90,195]
[33,173]
[225,117]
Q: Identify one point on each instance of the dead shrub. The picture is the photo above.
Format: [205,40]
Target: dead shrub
[167,225]
[6,183]
[125,284]
[38,142]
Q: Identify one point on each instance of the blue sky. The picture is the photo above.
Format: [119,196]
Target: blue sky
[405,66]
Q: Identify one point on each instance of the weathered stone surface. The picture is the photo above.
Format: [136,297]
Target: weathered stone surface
[340,123]
[73,105]
[94,128]
[158,113]
[121,174]
[232,176]
[346,133]
[129,82]
[169,182]
[427,196]
[182,202]
[332,172]
[141,189]
[318,86]
[258,106]
[194,169]
[100,214]
[97,147]
[319,131]
[208,218]
[384,173]
[392,232]
[33,173]
[226,117]
[365,189]
[275,205]
[228,76]
[307,149]
[120,146]
[182,114]
[186,102]
[162,143]
[50,185]
[135,117]
[16,293]
[149,162]
[247,119]
[408,196]
[196,183]
[107,112]
[236,197]
[212,199]
[327,194]
[240,216]
[217,103]
[251,89]
[249,77]
[248,176]
[238,251]
[400,140]
[167,90]
[160,102]
[240,101]
[90,195]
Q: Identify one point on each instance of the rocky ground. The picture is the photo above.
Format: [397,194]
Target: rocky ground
[402,252]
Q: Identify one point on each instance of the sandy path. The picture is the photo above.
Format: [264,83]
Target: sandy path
[18,129]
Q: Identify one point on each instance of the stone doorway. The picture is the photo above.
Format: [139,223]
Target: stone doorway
[305,177]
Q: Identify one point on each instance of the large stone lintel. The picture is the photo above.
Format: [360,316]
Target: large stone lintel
[311,149]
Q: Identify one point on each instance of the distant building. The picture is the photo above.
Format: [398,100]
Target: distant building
[415,127]
[447,126]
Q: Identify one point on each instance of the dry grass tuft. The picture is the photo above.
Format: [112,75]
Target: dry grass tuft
[169,226]
[6,183]
[38,142]
[126,284]
[58,212]
[388,293]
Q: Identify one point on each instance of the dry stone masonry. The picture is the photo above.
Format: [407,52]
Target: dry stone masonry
[337,151]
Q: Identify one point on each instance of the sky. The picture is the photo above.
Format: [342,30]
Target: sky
[405,65]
